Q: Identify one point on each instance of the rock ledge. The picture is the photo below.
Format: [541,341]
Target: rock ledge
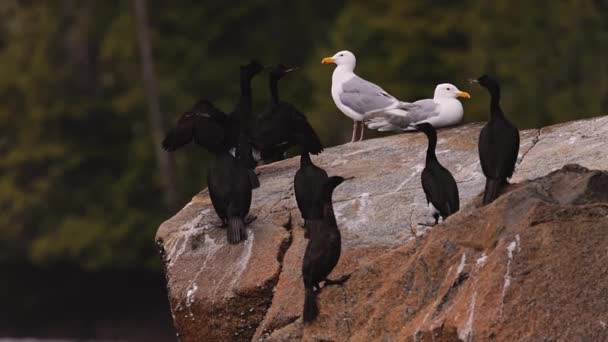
[529,267]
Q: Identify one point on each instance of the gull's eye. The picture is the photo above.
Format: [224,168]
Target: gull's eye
[341,55]
[449,88]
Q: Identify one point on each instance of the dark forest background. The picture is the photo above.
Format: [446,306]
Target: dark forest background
[88,87]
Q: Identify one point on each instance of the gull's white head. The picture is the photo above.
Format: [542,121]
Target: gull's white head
[449,91]
[342,58]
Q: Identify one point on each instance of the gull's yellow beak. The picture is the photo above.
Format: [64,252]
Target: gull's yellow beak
[328,60]
[463,94]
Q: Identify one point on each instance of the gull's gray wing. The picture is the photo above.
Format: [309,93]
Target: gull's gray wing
[364,97]
[398,120]
[421,110]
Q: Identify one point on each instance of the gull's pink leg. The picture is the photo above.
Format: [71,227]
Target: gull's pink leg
[354,131]
[362,130]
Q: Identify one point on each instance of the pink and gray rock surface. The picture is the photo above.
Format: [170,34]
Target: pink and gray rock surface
[529,267]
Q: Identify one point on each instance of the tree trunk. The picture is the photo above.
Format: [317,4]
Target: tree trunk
[165,162]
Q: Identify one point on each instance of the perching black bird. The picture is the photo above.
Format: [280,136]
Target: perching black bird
[208,126]
[282,126]
[231,179]
[215,130]
[243,111]
[242,116]
[323,249]
[308,184]
[230,187]
[498,144]
[437,182]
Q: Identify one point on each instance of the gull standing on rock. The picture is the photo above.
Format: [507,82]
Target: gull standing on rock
[354,96]
[442,110]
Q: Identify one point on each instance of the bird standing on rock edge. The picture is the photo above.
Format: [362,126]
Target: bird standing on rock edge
[498,144]
[282,126]
[230,189]
[231,179]
[437,182]
[308,185]
[323,250]
[354,96]
[243,114]
[215,130]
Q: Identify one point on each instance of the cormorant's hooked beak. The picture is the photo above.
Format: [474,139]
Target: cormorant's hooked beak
[349,178]
[328,60]
[473,80]
[463,94]
[292,69]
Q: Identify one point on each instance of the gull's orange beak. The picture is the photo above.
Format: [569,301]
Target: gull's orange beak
[328,60]
[463,94]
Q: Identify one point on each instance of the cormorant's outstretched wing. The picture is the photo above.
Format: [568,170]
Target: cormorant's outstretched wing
[207,125]
[302,132]
[181,134]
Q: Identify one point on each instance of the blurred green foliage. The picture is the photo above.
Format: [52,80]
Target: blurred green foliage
[78,178]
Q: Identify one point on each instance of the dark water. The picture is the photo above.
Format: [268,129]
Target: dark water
[68,304]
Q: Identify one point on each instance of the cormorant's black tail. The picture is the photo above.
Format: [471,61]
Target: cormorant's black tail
[236,230]
[493,187]
[311,310]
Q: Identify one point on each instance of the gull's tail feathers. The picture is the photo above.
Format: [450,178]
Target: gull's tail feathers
[398,112]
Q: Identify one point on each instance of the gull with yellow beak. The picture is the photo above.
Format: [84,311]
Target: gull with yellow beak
[442,110]
[356,97]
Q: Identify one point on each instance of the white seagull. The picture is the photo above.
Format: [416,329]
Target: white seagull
[442,110]
[356,97]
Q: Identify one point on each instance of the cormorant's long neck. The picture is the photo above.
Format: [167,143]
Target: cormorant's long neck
[305,159]
[274,89]
[495,110]
[430,152]
[245,102]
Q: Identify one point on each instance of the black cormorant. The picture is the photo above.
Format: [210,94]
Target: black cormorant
[230,187]
[208,126]
[323,250]
[498,144]
[215,130]
[243,113]
[308,184]
[282,126]
[437,182]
